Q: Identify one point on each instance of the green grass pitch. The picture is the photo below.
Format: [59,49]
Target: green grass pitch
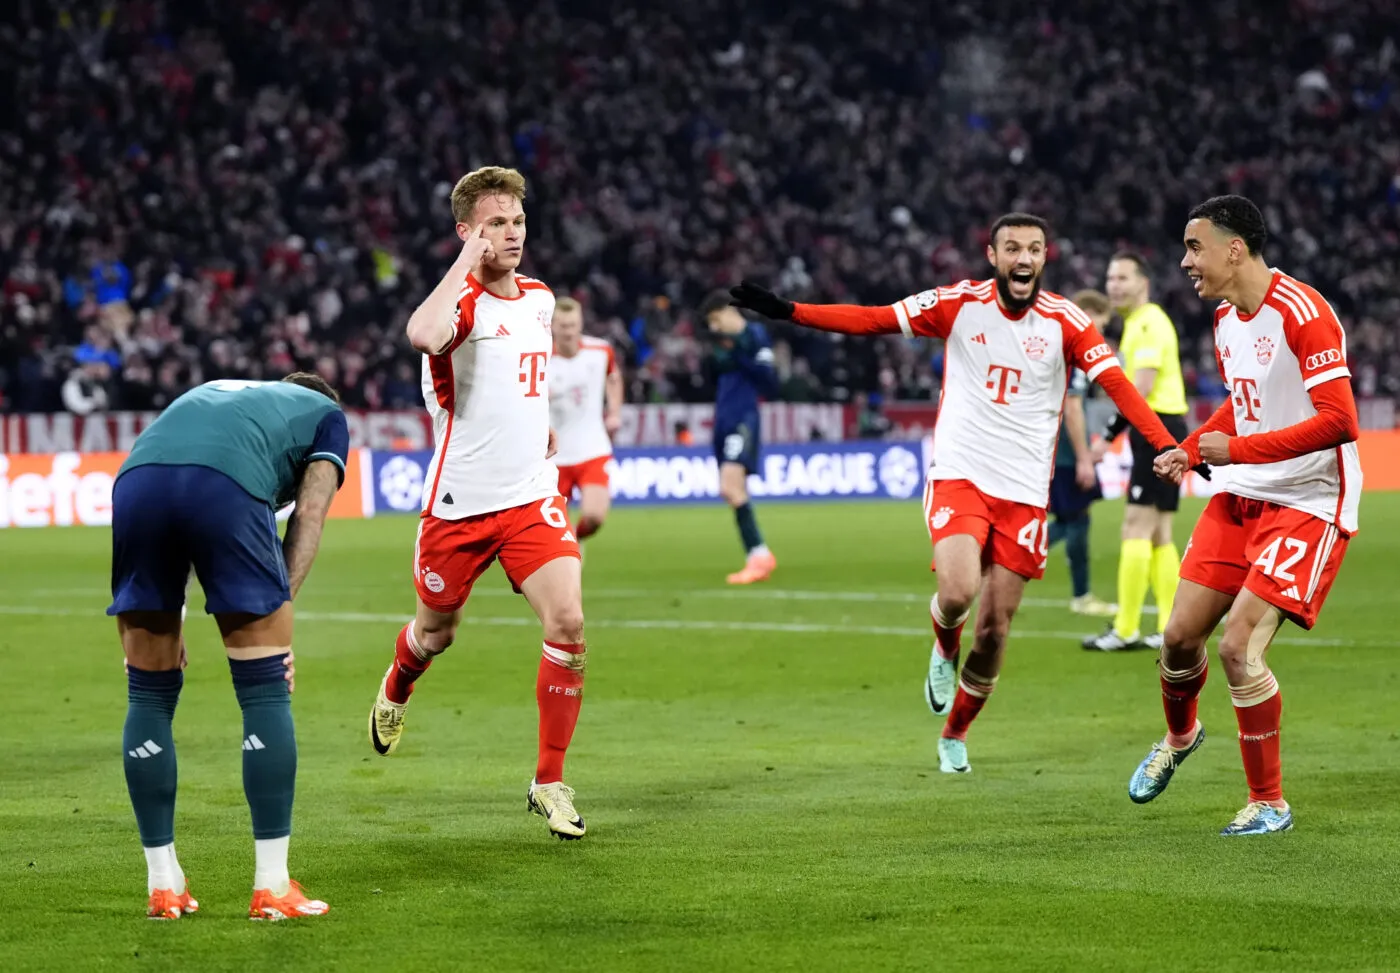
[757,769]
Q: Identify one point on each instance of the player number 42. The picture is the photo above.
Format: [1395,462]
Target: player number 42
[1268,561]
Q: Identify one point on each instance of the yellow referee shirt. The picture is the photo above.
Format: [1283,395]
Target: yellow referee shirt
[1149,341]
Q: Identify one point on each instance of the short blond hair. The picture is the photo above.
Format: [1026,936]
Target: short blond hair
[567,304]
[486,181]
[1094,302]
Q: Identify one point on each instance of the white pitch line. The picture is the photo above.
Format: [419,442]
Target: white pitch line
[685,625]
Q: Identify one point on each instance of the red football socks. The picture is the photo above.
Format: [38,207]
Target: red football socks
[559,692]
[1259,709]
[971,697]
[410,662]
[947,632]
[1181,688]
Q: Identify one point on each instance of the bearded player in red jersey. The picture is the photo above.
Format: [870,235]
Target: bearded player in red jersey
[1268,546]
[1010,347]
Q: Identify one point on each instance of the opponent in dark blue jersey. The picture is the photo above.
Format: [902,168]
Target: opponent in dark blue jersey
[200,489]
[743,363]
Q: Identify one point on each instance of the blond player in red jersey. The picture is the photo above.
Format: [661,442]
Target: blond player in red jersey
[1009,350]
[585,408]
[491,492]
[1268,546]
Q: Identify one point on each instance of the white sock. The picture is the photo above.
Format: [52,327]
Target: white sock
[161,872]
[270,868]
[176,870]
[759,550]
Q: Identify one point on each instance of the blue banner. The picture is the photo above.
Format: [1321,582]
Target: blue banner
[860,470]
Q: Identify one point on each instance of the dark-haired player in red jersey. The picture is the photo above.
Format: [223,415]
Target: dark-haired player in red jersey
[1010,347]
[1268,546]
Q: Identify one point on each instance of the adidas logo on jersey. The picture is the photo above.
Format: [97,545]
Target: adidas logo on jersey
[1292,592]
[568,536]
[147,749]
[501,332]
[253,743]
[979,339]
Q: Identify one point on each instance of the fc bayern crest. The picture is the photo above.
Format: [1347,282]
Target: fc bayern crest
[1264,350]
[1036,347]
[545,321]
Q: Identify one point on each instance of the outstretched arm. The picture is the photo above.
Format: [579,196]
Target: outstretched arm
[928,314]
[847,318]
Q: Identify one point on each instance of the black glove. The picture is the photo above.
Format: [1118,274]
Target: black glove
[1115,428]
[749,295]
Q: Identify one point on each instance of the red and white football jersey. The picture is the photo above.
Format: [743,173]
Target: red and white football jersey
[1269,360]
[1004,380]
[577,390]
[489,400]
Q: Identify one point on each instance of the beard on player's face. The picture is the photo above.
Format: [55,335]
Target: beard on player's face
[1022,275]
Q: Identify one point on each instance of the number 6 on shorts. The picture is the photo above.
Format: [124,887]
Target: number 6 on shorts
[552,515]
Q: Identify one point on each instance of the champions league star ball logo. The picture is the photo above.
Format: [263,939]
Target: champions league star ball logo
[1264,350]
[899,472]
[1036,347]
[401,483]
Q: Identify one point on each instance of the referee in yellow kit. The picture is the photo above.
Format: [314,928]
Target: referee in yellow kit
[1152,360]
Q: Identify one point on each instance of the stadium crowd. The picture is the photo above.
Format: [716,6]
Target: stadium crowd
[192,189]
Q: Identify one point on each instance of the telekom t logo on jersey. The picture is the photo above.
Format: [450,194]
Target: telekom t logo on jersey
[532,371]
[1003,380]
[1247,396]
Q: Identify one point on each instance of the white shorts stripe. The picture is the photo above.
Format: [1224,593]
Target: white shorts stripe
[1320,561]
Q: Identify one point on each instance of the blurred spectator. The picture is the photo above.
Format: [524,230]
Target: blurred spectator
[85,391]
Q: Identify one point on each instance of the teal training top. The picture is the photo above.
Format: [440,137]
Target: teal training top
[259,434]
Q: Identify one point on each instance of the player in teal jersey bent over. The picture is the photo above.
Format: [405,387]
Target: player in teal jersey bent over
[201,488]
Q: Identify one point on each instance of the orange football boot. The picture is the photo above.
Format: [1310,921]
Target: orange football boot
[169,904]
[758,567]
[293,905]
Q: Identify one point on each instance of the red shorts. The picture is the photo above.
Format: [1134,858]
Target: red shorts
[1287,557]
[1011,534]
[593,472]
[451,554]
